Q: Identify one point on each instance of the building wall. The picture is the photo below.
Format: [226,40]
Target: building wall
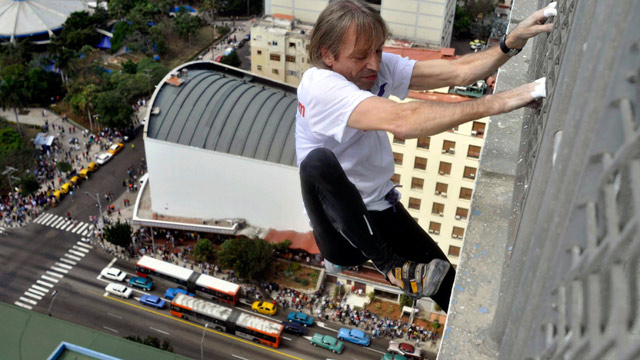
[219,185]
[427,194]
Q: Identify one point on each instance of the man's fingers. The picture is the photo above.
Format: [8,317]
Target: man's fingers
[540,88]
[537,29]
[551,10]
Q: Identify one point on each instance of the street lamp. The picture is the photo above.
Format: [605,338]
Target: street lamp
[206,325]
[97,198]
[53,298]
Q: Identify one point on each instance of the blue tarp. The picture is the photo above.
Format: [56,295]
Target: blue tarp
[105,43]
[186,7]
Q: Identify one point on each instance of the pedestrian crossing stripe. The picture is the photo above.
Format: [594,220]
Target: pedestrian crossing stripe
[60,222]
[37,297]
[84,250]
[40,288]
[77,253]
[18,303]
[34,290]
[55,274]
[68,261]
[84,245]
[44,283]
[61,265]
[49,278]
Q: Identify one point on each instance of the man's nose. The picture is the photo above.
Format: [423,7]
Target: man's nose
[373,62]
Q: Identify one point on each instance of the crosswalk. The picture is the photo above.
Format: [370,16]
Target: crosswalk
[3,231]
[53,275]
[61,223]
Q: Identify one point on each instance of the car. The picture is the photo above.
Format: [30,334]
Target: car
[218,58]
[83,173]
[75,180]
[300,317]
[119,290]
[112,273]
[92,166]
[172,292]
[390,356]
[247,37]
[143,283]
[115,148]
[294,328]
[228,51]
[103,158]
[405,349]
[130,133]
[327,342]
[152,300]
[355,336]
[264,307]
[58,194]
[65,188]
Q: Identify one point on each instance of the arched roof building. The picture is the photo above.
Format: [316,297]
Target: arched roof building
[35,18]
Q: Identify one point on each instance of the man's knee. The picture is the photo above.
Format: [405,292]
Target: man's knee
[316,161]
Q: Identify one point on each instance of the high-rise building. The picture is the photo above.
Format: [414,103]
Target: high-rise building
[279,48]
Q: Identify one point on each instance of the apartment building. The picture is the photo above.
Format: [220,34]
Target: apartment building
[279,48]
[421,21]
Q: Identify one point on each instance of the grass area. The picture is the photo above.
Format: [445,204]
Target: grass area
[292,275]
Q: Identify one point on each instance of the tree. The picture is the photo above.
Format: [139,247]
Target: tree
[12,95]
[64,166]
[151,341]
[283,246]
[203,250]
[129,67]
[114,110]
[405,300]
[186,24]
[249,258]
[118,234]
[29,184]
[232,59]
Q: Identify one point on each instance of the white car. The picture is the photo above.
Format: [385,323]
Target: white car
[103,158]
[119,290]
[113,274]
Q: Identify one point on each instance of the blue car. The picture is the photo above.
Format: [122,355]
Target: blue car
[142,283]
[294,328]
[355,336]
[172,292]
[301,318]
[152,300]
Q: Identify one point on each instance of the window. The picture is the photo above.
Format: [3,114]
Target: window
[414,203]
[424,143]
[434,228]
[292,73]
[477,129]
[397,140]
[417,183]
[474,151]
[274,43]
[441,189]
[420,163]
[457,233]
[395,179]
[259,37]
[274,71]
[290,58]
[462,213]
[259,52]
[397,158]
[454,250]
[437,209]
[260,67]
[307,48]
[292,45]
[449,147]
[445,168]
[469,173]
[274,57]
[465,193]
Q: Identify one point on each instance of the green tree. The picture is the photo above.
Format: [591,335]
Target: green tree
[41,85]
[232,59]
[129,67]
[10,141]
[283,246]
[12,95]
[113,109]
[118,234]
[249,258]
[204,250]
[64,166]
[29,184]
[82,102]
[151,341]
[405,300]
[186,24]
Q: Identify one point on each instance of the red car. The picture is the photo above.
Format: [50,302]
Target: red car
[405,349]
[218,58]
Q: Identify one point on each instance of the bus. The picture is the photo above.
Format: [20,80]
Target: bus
[196,283]
[229,320]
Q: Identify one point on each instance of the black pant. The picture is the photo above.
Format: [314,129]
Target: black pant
[348,234]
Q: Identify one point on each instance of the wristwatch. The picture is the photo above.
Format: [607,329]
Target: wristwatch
[505,49]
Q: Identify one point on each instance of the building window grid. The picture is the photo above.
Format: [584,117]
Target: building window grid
[434,228]
[445,168]
[437,209]
[420,163]
[274,57]
[441,189]
[449,147]
[397,158]
[474,151]
[395,178]
[462,213]
[477,129]
[465,193]
[454,251]
[424,143]
[469,172]
[414,203]
[457,233]
[417,183]
[290,58]
[397,140]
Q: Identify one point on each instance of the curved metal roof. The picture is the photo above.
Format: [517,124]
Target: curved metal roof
[19,18]
[238,115]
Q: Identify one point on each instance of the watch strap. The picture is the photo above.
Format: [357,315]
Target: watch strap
[505,49]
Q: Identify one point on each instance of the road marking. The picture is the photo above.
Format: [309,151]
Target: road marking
[160,331]
[239,357]
[23,305]
[112,262]
[31,289]
[68,261]
[65,266]
[44,283]
[42,218]
[84,250]
[80,228]
[37,297]
[68,227]
[60,270]
[52,273]
[115,316]
[52,220]
[374,350]
[63,223]
[85,233]
[80,243]
[49,278]
[286,338]
[28,301]
[77,253]
[73,257]
[110,329]
[44,290]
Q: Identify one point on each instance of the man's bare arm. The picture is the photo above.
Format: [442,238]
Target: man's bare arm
[419,119]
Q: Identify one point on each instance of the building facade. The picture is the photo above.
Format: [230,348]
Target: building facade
[421,21]
[279,48]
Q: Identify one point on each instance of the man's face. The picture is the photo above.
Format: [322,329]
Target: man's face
[360,66]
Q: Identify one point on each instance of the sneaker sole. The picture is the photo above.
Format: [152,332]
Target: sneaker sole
[436,271]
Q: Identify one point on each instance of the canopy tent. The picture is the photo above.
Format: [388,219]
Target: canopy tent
[105,43]
[25,18]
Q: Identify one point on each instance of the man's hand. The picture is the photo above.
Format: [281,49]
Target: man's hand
[525,95]
[531,26]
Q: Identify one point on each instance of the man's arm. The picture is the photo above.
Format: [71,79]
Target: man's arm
[433,74]
[419,119]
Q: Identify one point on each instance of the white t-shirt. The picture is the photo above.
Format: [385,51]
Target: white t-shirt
[325,102]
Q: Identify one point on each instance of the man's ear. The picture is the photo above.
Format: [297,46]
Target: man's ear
[327,57]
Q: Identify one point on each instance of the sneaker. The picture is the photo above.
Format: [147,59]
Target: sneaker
[419,279]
